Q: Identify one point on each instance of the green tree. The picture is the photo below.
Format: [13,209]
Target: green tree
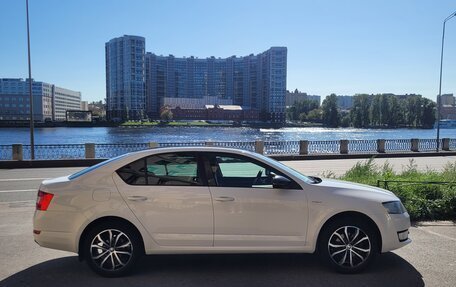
[302,117]
[396,115]
[314,116]
[414,111]
[345,120]
[293,113]
[166,114]
[359,113]
[330,111]
[385,111]
[429,109]
[392,111]
[375,111]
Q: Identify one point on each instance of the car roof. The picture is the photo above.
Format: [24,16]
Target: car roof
[194,148]
[132,156]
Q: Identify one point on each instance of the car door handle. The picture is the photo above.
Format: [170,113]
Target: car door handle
[137,198]
[224,198]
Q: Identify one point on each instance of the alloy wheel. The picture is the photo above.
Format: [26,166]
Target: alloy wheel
[349,246]
[111,249]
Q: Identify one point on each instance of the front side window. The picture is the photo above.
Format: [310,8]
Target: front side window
[239,171]
[163,169]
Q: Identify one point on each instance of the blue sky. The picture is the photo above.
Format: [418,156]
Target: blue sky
[342,47]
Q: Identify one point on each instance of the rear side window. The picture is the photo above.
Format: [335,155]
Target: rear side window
[164,169]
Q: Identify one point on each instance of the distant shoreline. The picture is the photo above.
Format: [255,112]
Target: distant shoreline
[203,124]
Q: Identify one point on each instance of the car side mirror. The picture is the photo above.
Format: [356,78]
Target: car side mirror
[279,181]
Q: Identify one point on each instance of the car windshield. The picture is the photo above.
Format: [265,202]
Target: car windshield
[290,170]
[93,167]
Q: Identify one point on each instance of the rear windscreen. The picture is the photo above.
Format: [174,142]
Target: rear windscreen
[93,167]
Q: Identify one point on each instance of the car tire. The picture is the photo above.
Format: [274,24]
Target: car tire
[112,249]
[348,255]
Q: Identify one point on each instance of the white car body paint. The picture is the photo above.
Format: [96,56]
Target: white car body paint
[204,219]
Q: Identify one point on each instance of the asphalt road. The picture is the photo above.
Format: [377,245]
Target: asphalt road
[429,260]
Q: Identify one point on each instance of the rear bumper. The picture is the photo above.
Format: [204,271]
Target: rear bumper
[56,240]
[56,230]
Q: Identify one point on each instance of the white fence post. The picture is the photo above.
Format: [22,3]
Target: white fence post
[17,152]
[259,147]
[303,147]
[89,150]
[344,146]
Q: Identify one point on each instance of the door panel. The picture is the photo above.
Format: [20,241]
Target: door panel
[259,217]
[169,196]
[173,215]
[248,211]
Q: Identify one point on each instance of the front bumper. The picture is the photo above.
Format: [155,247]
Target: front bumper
[396,231]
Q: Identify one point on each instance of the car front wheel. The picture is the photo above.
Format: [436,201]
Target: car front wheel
[112,250]
[348,246]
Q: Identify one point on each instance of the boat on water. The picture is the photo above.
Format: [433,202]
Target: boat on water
[447,124]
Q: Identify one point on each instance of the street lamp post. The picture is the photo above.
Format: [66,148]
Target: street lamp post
[440,83]
[32,139]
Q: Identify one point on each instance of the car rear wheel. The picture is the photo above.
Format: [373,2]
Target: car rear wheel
[112,250]
[348,245]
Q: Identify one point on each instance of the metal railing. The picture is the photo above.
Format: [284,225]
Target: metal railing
[428,144]
[281,148]
[303,147]
[57,151]
[182,144]
[112,150]
[362,146]
[451,144]
[6,151]
[385,183]
[324,147]
[250,146]
[398,145]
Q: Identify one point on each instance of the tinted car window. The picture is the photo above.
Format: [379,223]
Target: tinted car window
[172,169]
[239,171]
[163,169]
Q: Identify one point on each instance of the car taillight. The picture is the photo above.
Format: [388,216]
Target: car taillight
[43,200]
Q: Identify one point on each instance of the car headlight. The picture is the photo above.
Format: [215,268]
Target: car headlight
[394,207]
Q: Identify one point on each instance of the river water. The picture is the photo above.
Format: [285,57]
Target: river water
[191,134]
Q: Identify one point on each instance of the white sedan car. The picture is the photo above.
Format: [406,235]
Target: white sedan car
[213,200]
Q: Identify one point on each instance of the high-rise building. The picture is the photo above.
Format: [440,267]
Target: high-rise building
[50,102]
[254,82]
[125,78]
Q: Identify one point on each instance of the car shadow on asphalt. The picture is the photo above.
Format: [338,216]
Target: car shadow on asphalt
[221,270]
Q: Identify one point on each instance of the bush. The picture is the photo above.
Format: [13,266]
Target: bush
[423,201]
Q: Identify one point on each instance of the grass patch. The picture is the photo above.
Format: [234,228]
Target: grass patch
[170,123]
[423,201]
[134,123]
